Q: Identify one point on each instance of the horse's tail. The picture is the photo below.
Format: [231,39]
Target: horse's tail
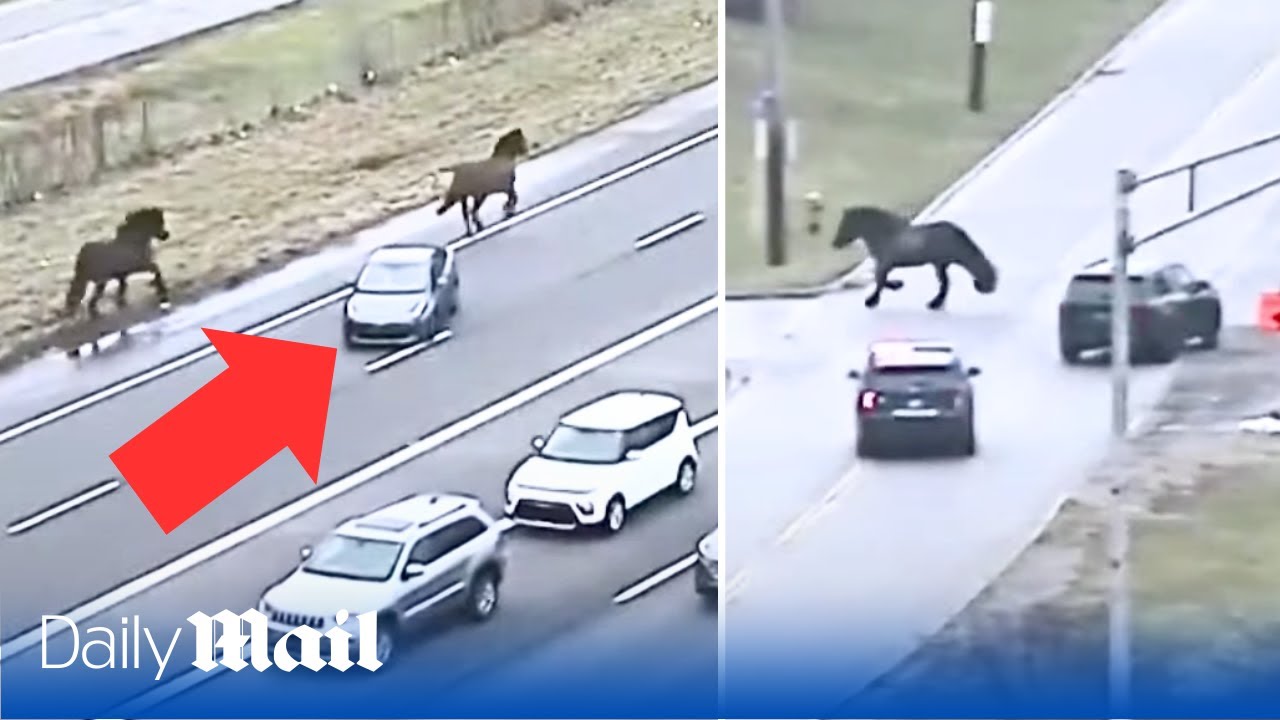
[79,281]
[973,258]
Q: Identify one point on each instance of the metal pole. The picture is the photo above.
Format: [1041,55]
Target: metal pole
[1118,636]
[775,140]
[980,26]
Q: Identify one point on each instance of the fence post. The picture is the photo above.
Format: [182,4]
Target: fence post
[1191,187]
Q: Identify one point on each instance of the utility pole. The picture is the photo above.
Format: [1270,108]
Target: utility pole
[774,118]
[1119,652]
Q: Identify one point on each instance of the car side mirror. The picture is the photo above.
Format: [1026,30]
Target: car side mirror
[305,552]
[413,570]
[1198,286]
[974,371]
[853,375]
[537,443]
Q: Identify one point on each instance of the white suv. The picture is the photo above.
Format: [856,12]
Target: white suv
[603,460]
[404,561]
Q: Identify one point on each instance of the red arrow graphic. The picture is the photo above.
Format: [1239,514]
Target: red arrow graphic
[274,394]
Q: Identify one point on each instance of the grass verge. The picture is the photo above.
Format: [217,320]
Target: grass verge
[249,205]
[1205,558]
[877,89]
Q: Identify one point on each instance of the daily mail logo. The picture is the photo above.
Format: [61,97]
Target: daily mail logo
[109,648]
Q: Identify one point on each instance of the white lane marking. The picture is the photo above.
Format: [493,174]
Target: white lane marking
[708,424]
[206,350]
[330,490]
[581,191]
[62,508]
[671,230]
[390,359]
[703,427]
[191,678]
[656,579]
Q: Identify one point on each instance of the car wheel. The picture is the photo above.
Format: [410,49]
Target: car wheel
[482,601]
[615,515]
[686,478]
[1210,340]
[865,448]
[386,645]
[1070,355]
[969,440]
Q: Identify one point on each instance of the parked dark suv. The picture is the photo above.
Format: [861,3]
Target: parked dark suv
[1168,307]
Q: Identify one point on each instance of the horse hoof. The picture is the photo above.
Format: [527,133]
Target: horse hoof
[871,301]
[894,284]
[935,304]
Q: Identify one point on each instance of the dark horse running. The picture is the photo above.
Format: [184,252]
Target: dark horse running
[893,242]
[129,252]
[478,179]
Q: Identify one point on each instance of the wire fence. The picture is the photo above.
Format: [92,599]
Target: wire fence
[271,78]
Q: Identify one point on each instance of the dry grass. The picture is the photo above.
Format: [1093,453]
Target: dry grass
[242,207]
[877,90]
[1205,559]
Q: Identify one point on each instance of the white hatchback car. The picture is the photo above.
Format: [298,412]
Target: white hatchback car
[603,460]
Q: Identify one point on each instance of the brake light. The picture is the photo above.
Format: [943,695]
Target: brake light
[868,400]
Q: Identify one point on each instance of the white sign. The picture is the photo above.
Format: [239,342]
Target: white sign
[133,645]
[983,17]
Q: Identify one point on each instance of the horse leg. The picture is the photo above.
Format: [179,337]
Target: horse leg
[99,286]
[882,281]
[944,286]
[122,286]
[475,211]
[509,208]
[157,282]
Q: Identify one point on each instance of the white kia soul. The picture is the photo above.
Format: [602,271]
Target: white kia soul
[603,460]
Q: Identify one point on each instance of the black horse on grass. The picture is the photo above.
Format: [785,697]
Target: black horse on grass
[478,179]
[129,252]
[893,242]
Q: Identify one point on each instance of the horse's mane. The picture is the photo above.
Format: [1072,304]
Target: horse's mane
[509,143]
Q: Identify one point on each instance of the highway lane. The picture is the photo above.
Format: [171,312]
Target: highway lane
[53,388]
[886,552]
[535,299]
[44,39]
[557,583]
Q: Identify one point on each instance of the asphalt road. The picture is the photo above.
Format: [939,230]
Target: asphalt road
[838,571]
[570,276]
[559,586]
[44,39]
[534,300]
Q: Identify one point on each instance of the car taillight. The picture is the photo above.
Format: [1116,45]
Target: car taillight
[868,400]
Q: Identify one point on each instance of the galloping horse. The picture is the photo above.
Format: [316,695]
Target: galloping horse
[129,252]
[893,242]
[478,179]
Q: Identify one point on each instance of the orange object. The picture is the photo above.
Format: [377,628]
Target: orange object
[1269,311]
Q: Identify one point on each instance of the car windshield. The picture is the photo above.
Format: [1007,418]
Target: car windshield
[1098,287]
[394,277]
[354,558]
[914,369]
[583,445]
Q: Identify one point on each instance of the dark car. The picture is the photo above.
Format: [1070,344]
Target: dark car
[404,294]
[914,394]
[706,571]
[1168,306]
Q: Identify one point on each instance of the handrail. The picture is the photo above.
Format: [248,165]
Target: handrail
[1192,166]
